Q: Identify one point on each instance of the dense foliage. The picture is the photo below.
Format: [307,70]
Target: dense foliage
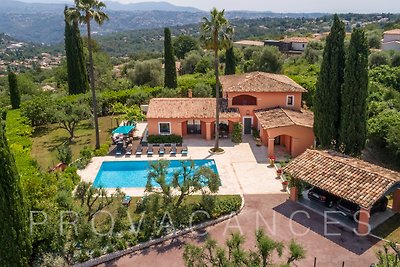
[237,133]
[76,66]
[14,230]
[164,139]
[169,61]
[230,62]
[327,94]
[353,113]
[265,254]
[15,97]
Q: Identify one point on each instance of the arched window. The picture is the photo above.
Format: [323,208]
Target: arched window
[244,100]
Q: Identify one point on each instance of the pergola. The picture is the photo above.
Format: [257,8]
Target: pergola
[349,178]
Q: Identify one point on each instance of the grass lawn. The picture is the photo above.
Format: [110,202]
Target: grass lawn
[47,139]
[390,229]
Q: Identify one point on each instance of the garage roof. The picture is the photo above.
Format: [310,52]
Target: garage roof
[279,117]
[349,178]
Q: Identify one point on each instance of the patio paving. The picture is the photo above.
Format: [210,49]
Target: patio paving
[243,168]
[272,212]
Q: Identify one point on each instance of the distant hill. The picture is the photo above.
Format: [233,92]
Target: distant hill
[44,22]
[149,6]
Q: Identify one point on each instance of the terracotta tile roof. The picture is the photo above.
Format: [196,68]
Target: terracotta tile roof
[279,117]
[259,82]
[395,31]
[296,40]
[187,108]
[352,179]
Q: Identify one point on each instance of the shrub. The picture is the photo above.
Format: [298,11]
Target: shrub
[64,154]
[202,90]
[147,72]
[227,206]
[102,151]
[164,139]
[39,110]
[378,58]
[237,133]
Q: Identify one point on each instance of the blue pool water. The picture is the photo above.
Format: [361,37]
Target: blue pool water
[125,174]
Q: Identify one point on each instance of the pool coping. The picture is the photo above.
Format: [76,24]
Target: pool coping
[114,255]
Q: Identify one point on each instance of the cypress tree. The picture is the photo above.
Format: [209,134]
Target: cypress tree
[353,126]
[230,62]
[327,94]
[14,235]
[15,96]
[76,66]
[170,80]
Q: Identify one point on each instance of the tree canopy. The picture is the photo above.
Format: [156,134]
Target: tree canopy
[14,231]
[327,94]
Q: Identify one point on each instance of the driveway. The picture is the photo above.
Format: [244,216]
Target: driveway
[271,212]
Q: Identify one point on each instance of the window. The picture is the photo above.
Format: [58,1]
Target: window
[290,100]
[244,100]
[164,128]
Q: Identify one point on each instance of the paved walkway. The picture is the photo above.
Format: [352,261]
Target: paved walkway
[271,212]
[243,168]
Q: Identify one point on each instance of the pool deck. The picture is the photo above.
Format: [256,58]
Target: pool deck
[243,168]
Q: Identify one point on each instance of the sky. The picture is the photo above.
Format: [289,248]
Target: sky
[330,6]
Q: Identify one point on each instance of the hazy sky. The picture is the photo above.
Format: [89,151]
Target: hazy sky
[340,6]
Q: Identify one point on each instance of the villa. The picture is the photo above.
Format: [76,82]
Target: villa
[270,103]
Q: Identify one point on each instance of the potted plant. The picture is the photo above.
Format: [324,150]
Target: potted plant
[258,141]
[284,185]
[272,161]
[279,172]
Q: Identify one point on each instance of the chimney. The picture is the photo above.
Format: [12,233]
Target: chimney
[190,93]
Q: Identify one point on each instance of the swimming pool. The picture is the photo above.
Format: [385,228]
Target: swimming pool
[133,174]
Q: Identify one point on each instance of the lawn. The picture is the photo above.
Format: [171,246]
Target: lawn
[47,139]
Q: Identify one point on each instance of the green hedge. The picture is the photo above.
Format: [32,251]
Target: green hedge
[237,133]
[164,139]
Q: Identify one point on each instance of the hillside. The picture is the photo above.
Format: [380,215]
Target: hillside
[43,23]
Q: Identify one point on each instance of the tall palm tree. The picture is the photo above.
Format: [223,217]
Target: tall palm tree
[216,33]
[84,11]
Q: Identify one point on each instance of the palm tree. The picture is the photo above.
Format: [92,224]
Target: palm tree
[216,34]
[84,11]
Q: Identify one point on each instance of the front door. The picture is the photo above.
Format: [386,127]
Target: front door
[247,125]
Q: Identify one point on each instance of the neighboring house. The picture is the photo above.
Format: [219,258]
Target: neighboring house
[248,43]
[289,45]
[391,40]
[268,102]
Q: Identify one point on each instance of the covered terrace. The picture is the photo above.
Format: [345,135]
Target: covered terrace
[348,178]
[290,129]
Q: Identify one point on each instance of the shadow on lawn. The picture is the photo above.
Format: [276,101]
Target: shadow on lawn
[344,238]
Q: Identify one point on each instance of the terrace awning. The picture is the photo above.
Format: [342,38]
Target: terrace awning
[123,129]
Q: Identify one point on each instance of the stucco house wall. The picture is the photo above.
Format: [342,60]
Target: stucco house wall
[301,138]
[264,100]
[390,37]
[391,46]
[299,46]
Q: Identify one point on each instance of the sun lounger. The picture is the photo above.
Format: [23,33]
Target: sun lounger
[139,150]
[119,149]
[184,150]
[150,151]
[128,151]
[173,150]
[161,151]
